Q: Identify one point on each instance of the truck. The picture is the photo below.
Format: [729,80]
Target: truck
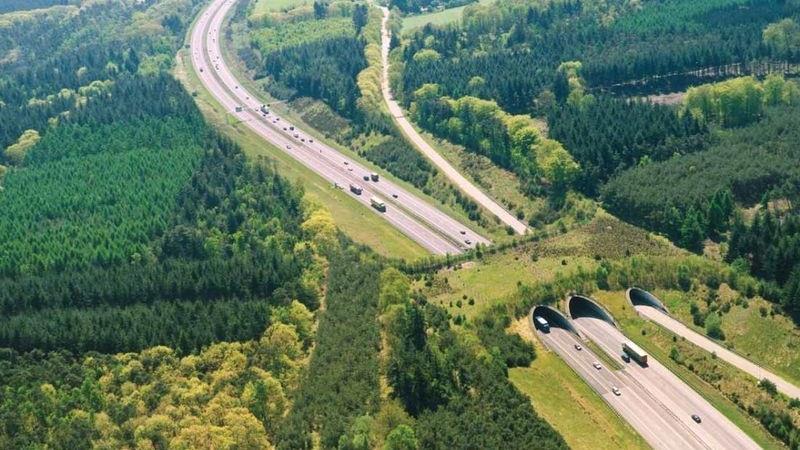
[264,109]
[374,176]
[238,108]
[378,204]
[635,352]
[355,189]
[542,324]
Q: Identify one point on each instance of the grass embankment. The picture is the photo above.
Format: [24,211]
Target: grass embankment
[263,7]
[320,121]
[659,342]
[749,327]
[351,217]
[568,403]
[442,17]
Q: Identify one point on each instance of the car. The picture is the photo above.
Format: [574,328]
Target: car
[346,163]
[284,128]
[616,391]
[626,358]
[366,177]
[578,347]
[597,365]
[463,231]
[288,146]
[350,169]
[467,241]
[310,140]
[696,418]
[394,195]
[302,139]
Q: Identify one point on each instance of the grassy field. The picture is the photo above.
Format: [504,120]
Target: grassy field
[352,218]
[560,396]
[658,342]
[748,330]
[262,7]
[437,18]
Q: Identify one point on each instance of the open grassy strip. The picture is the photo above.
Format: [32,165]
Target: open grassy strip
[749,326]
[608,360]
[351,217]
[658,343]
[442,17]
[568,403]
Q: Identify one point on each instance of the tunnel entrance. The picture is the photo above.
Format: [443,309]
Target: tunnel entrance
[582,306]
[554,318]
[640,297]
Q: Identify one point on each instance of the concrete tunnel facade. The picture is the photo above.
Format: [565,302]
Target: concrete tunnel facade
[583,306]
[640,297]
[553,317]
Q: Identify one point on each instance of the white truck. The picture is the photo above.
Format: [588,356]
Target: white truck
[378,204]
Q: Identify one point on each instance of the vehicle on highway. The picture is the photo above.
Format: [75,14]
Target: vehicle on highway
[635,352]
[346,163]
[355,189]
[542,324]
[696,418]
[626,358]
[264,109]
[296,135]
[616,391]
[366,177]
[467,241]
[578,347]
[377,204]
[238,108]
[374,176]
[463,231]
[310,140]
[597,365]
[394,195]
[291,128]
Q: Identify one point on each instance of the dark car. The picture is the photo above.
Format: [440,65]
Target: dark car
[696,418]
[626,358]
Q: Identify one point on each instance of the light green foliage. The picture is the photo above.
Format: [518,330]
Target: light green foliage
[783,37]
[286,34]
[395,288]
[512,141]
[298,315]
[427,55]
[401,438]
[15,153]
[738,101]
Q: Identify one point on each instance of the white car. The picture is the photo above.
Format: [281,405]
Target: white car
[597,365]
[616,391]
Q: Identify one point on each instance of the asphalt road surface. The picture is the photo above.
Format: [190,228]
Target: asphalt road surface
[722,353]
[449,171]
[676,400]
[417,219]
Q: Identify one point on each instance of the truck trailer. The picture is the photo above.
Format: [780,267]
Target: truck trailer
[378,204]
[635,352]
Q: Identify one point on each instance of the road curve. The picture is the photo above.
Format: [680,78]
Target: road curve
[722,353]
[420,221]
[408,130]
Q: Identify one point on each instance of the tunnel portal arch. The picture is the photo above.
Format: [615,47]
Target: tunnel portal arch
[583,306]
[554,317]
[640,297]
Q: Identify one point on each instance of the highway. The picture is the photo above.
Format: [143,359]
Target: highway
[408,130]
[722,353]
[417,219]
[662,430]
[676,400]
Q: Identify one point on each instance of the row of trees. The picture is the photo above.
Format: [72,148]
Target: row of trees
[607,136]
[229,394]
[21,5]
[749,161]
[512,142]
[517,49]
[770,246]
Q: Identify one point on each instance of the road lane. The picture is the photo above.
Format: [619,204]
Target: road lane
[417,219]
[408,130]
[633,404]
[666,389]
[722,353]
